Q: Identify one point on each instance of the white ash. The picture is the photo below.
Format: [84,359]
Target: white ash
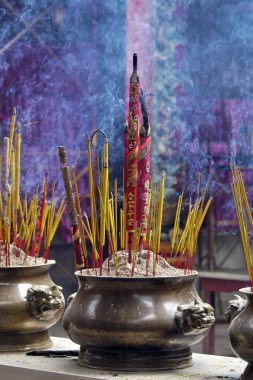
[19,258]
[124,268]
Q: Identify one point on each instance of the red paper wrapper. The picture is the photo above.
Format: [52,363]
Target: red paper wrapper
[77,247]
[132,149]
[125,153]
[143,183]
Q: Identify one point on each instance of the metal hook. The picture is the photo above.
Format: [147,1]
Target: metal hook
[93,135]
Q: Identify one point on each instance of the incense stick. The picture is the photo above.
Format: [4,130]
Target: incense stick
[243,214]
[71,208]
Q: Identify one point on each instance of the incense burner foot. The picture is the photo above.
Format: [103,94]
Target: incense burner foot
[240,317]
[248,373]
[25,342]
[133,360]
[30,303]
[132,324]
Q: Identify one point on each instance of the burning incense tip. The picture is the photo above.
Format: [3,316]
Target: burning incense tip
[62,155]
[135,62]
[14,112]
[18,128]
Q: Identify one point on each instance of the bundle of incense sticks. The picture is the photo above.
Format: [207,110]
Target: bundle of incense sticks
[105,229]
[184,243]
[23,225]
[138,224]
[244,217]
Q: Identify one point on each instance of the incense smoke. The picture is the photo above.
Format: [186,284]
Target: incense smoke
[63,65]
[203,95]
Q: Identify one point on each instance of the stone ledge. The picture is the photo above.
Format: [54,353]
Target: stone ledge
[18,366]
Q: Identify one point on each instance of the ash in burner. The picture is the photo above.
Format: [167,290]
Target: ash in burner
[18,258]
[118,266]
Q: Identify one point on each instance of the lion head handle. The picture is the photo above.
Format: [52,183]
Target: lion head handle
[235,307]
[43,301]
[194,318]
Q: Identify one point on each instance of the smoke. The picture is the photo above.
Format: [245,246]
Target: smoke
[203,95]
[63,68]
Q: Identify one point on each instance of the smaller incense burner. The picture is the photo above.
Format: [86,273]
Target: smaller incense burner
[134,324]
[30,303]
[240,316]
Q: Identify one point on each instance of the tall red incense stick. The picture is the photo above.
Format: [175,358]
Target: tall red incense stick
[132,156]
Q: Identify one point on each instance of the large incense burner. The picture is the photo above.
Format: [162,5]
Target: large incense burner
[30,303]
[240,317]
[137,323]
[133,311]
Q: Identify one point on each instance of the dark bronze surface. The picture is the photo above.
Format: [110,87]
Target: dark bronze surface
[241,330]
[20,328]
[129,323]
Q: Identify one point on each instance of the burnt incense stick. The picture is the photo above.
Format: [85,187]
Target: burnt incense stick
[79,260]
[80,221]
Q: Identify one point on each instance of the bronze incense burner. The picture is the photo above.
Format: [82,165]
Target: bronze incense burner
[136,324]
[240,316]
[30,303]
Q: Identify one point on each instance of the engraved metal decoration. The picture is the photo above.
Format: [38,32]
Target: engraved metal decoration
[43,301]
[193,317]
[235,307]
[70,298]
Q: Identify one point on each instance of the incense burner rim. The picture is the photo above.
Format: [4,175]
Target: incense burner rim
[79,274]
[246,291]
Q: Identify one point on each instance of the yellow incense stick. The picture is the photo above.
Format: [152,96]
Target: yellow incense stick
[13,122]
[160,211]
[121,229]
[78,206]
[104,194]
[176,223]
[17,168]
[116,211]
[112,224]
[92,195]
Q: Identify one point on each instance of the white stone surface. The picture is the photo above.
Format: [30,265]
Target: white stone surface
[18,366]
